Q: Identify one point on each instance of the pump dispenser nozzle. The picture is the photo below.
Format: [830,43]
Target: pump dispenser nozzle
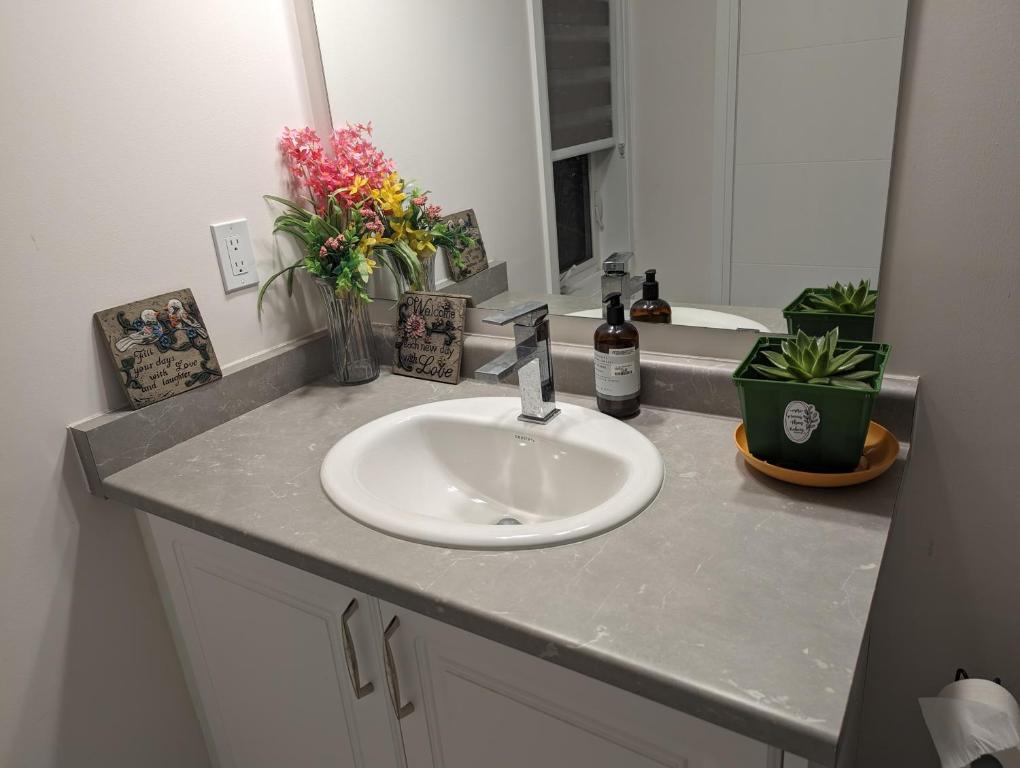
[614,309]
[649,288]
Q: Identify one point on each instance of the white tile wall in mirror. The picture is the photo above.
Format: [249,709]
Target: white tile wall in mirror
[739,147]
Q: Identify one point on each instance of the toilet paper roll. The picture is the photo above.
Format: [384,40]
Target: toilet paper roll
[972,718]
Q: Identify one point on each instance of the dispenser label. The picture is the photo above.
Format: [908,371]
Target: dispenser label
[800,420]
[617,373]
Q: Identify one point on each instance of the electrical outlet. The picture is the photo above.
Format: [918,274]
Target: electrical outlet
[233,251]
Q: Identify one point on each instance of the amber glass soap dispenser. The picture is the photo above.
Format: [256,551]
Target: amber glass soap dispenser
[617,364]
[650,308]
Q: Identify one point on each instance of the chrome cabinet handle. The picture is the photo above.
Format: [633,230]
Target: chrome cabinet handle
[401,711]
[360,691]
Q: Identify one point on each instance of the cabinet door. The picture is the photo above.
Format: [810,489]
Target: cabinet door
[270,664]
[478,703]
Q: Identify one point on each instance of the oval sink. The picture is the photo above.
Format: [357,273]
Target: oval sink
[467,473]
[705,318]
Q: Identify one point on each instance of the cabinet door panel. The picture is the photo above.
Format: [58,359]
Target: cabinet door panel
[481,703]
[264,646]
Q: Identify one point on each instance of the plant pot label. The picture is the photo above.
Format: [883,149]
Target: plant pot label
[800,420]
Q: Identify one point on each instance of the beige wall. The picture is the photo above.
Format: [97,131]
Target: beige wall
[118,146]
[672,102]
[474,143]
[125,130]
[817,86]
[949,593]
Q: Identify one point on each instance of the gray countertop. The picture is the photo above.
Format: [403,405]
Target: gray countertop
[733,597]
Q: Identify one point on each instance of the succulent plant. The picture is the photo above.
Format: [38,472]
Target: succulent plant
[814,360]
[842,299]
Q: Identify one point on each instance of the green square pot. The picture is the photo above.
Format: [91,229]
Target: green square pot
[858,327]
[811,427]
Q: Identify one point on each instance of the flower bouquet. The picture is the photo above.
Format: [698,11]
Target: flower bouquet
[354,213]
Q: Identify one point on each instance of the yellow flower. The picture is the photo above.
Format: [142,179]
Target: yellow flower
[400,229]
[391,195]
[365,269]
[359,182]
[368,243]
[423,243]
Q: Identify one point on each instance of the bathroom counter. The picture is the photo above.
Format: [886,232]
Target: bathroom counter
[733,597]
[566,304]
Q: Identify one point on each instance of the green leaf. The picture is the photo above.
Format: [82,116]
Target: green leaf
[853,362]
[840,360]
[845,383]
[777,359]
[832,339]
[773,373]
[825,303]
[298,210]
[859,375]
[270,279]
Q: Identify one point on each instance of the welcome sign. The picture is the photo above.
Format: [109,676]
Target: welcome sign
[430,336]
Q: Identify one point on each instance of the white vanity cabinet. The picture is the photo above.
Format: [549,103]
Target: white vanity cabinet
[478,703]
[268,658]
[275,678]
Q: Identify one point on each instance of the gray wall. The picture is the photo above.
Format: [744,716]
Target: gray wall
[949,593]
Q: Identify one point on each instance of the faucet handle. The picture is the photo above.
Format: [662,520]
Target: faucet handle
[618,262]
[530,314]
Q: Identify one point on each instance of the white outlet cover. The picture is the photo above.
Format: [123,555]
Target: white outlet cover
[234,254]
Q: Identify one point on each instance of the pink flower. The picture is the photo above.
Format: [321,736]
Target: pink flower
[356,155]
[433,211]
[318,175]
[372,221]
[415,325]
[420,200]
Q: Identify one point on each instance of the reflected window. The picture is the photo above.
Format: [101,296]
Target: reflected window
[571,186]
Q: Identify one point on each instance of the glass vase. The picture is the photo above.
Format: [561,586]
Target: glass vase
[428,265]
[427,277]
[352,340]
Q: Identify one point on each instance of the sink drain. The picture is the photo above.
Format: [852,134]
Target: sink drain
[508,521]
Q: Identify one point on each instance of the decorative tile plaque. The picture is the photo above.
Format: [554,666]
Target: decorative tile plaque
[430,336]
[474,257]
[160,346]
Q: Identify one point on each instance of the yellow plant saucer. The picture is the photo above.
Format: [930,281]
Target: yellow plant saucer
[880,451]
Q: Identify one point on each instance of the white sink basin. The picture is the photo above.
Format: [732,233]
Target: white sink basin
[706,318]
[447,473]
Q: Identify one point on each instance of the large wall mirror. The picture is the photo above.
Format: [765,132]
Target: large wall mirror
[741,148]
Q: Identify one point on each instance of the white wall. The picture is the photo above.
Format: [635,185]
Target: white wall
[125,130]
[450,94]
[949,593]
[672,76]
[816,106]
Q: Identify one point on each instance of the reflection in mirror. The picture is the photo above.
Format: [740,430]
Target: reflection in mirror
[740,148]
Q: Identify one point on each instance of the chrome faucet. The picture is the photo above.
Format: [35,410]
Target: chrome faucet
[616,278]
[531,359]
